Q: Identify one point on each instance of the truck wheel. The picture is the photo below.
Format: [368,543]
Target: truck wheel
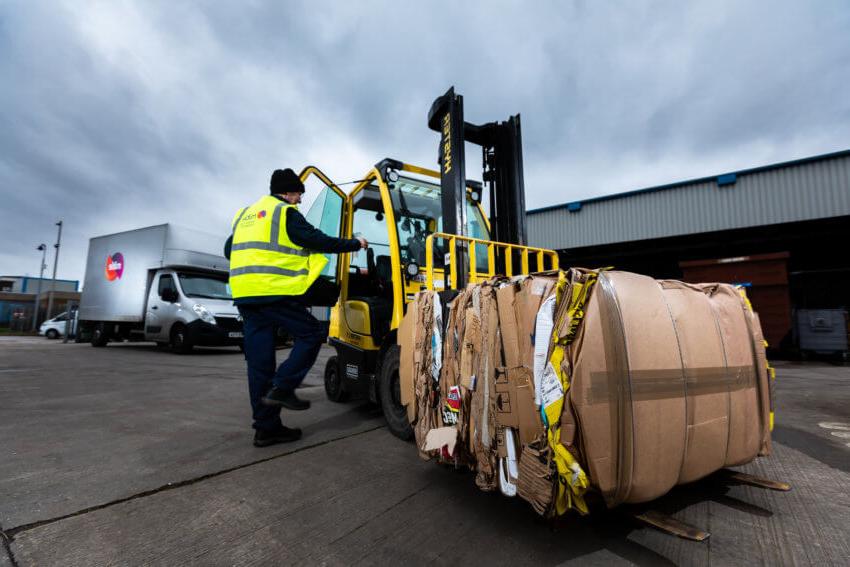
[99,336]
[390,394]
[52,334]
[180,342]
[333,382]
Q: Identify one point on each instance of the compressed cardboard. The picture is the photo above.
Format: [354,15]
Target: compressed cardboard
[533,290]
[515,403]
[442,437]
[765,384]
[663,385]
[482,404]
[471,347]
[667,382]
[706,380]
[745,427]
[536,480]
[508,325]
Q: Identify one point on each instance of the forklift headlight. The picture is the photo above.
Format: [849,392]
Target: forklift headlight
[203,313]
[392,175]
[412,269]
[475,196]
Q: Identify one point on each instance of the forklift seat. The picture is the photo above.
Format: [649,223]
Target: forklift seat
[384,276]
[380,313]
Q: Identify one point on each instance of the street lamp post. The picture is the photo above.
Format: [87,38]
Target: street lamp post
[55,263]
[43,248]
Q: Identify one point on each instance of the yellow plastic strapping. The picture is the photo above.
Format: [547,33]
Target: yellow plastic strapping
[771,372]
[572,480]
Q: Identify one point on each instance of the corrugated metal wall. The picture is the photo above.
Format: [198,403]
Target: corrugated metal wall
[805,190]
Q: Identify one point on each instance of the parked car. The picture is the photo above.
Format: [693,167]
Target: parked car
[54,328]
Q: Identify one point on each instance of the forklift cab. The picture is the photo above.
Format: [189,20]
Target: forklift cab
[395,207]
[417,218]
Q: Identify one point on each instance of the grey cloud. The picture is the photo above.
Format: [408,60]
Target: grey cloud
[113,128]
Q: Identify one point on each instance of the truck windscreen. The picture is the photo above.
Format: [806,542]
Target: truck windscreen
[196,285]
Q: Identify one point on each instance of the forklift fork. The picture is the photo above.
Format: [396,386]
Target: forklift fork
[752,480]
[669,524]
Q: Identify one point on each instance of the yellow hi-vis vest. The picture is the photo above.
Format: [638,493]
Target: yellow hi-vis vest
[263,260]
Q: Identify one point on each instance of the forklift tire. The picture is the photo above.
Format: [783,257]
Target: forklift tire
[390,395]
[99,336]
[180,342]
[333,382]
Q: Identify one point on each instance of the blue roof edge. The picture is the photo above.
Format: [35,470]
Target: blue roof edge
[613,196]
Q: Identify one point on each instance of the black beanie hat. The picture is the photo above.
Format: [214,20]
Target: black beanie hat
[285,181]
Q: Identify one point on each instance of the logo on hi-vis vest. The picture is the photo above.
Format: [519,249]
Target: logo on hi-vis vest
[114,266]
[250,218]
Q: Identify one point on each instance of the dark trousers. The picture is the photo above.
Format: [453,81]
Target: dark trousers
[260,326]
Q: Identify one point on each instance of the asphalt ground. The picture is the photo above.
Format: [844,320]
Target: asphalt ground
[129,455]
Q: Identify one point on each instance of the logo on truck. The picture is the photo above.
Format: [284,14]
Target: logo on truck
[114,266]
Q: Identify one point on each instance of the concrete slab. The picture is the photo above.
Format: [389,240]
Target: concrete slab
[812,415]
[368,499]
[82,427]
[92,437]
[5,560]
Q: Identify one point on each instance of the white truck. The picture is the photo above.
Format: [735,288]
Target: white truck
[163,283]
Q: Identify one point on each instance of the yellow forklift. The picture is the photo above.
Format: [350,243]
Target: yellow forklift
[426,229]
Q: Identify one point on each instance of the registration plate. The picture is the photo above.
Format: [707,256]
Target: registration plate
[235,334]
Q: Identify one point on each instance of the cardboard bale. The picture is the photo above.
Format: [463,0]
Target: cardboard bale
[638,439]
[666,382]
[745,425]
[664,385]
[706,380]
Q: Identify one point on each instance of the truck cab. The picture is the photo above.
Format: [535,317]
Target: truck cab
[187,308]
[162,283]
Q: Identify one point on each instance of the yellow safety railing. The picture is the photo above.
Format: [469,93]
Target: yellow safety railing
[508,250]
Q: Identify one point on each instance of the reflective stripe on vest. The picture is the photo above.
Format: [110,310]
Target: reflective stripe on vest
[263,259]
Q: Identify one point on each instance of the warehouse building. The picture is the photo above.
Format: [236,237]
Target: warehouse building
[18,298]
[780,230]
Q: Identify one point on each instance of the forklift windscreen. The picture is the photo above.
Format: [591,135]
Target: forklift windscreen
[416,205]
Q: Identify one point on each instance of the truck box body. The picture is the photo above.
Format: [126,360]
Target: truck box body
[119,267]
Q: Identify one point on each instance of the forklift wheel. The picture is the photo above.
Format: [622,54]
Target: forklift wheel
[394,412]
[333,382]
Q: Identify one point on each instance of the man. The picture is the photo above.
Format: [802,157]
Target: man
[275,263]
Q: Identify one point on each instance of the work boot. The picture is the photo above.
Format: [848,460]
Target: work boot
[264,438]
[285,398]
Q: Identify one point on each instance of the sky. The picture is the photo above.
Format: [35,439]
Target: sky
[116,115]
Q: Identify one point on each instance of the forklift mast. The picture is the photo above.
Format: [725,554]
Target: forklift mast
[501,146]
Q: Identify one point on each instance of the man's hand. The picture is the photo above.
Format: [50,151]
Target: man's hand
[363,242]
